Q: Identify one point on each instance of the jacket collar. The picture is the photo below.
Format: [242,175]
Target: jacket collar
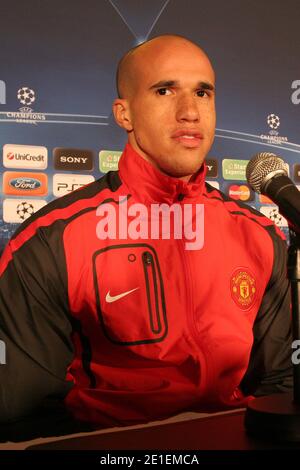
[147,184]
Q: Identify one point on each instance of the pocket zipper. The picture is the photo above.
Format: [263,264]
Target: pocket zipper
[152,292]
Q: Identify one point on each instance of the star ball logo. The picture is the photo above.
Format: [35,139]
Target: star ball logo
[26,96]
[273,121]
[25,210]
[273,214]
[16,211]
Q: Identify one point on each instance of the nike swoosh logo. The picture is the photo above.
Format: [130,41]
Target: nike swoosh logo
[112,298]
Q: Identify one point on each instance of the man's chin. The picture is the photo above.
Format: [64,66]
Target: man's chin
[181,173]
[184,171]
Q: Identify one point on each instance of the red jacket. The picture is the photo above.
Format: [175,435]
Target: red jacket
[144,328]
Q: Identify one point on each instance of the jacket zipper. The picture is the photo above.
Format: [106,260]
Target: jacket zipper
[191,319]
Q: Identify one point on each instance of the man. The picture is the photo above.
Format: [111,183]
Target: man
[131,329]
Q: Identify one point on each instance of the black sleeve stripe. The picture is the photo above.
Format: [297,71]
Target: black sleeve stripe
[240,208]
[270,366]
[109,181]
[66,208]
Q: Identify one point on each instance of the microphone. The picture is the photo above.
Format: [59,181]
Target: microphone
[267,173]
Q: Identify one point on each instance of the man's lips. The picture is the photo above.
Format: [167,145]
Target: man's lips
[188,137]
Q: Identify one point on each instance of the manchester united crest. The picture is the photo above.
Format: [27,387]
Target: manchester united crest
[243,288]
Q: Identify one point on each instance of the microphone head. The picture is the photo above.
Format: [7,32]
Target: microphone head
[262,167]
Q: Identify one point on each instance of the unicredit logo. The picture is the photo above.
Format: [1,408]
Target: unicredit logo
[25,156]
[25,183]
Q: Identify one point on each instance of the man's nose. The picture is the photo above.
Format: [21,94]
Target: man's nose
[187,109]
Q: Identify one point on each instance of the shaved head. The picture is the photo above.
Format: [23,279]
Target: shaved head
[166,103]
[127,70]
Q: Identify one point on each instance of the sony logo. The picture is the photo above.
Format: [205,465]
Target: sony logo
[70,159]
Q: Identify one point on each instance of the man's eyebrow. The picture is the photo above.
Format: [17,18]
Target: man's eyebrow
[206,86]
[170,83]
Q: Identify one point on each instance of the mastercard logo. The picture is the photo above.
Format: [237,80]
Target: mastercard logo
[240,192]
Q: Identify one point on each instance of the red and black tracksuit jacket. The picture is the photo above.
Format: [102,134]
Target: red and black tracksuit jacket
[194,330]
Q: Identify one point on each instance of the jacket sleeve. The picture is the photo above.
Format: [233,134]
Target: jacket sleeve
[270,366]
[34,327]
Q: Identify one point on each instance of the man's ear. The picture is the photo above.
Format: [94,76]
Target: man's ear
[122,114]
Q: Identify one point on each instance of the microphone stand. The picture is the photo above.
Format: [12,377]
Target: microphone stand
[294,278]
[278,416]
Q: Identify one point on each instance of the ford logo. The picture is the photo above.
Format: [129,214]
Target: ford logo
[25,183]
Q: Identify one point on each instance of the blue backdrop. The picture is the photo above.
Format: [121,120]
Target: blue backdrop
[58,62]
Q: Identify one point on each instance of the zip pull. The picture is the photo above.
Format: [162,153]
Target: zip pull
[147,257]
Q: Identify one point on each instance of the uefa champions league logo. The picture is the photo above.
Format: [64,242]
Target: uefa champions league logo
[273,121]
[26,96]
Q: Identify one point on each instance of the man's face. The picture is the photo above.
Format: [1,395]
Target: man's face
[171,106]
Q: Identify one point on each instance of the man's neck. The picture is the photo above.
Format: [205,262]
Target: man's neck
[186,178]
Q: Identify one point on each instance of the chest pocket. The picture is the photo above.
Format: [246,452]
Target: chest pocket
[130,294]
